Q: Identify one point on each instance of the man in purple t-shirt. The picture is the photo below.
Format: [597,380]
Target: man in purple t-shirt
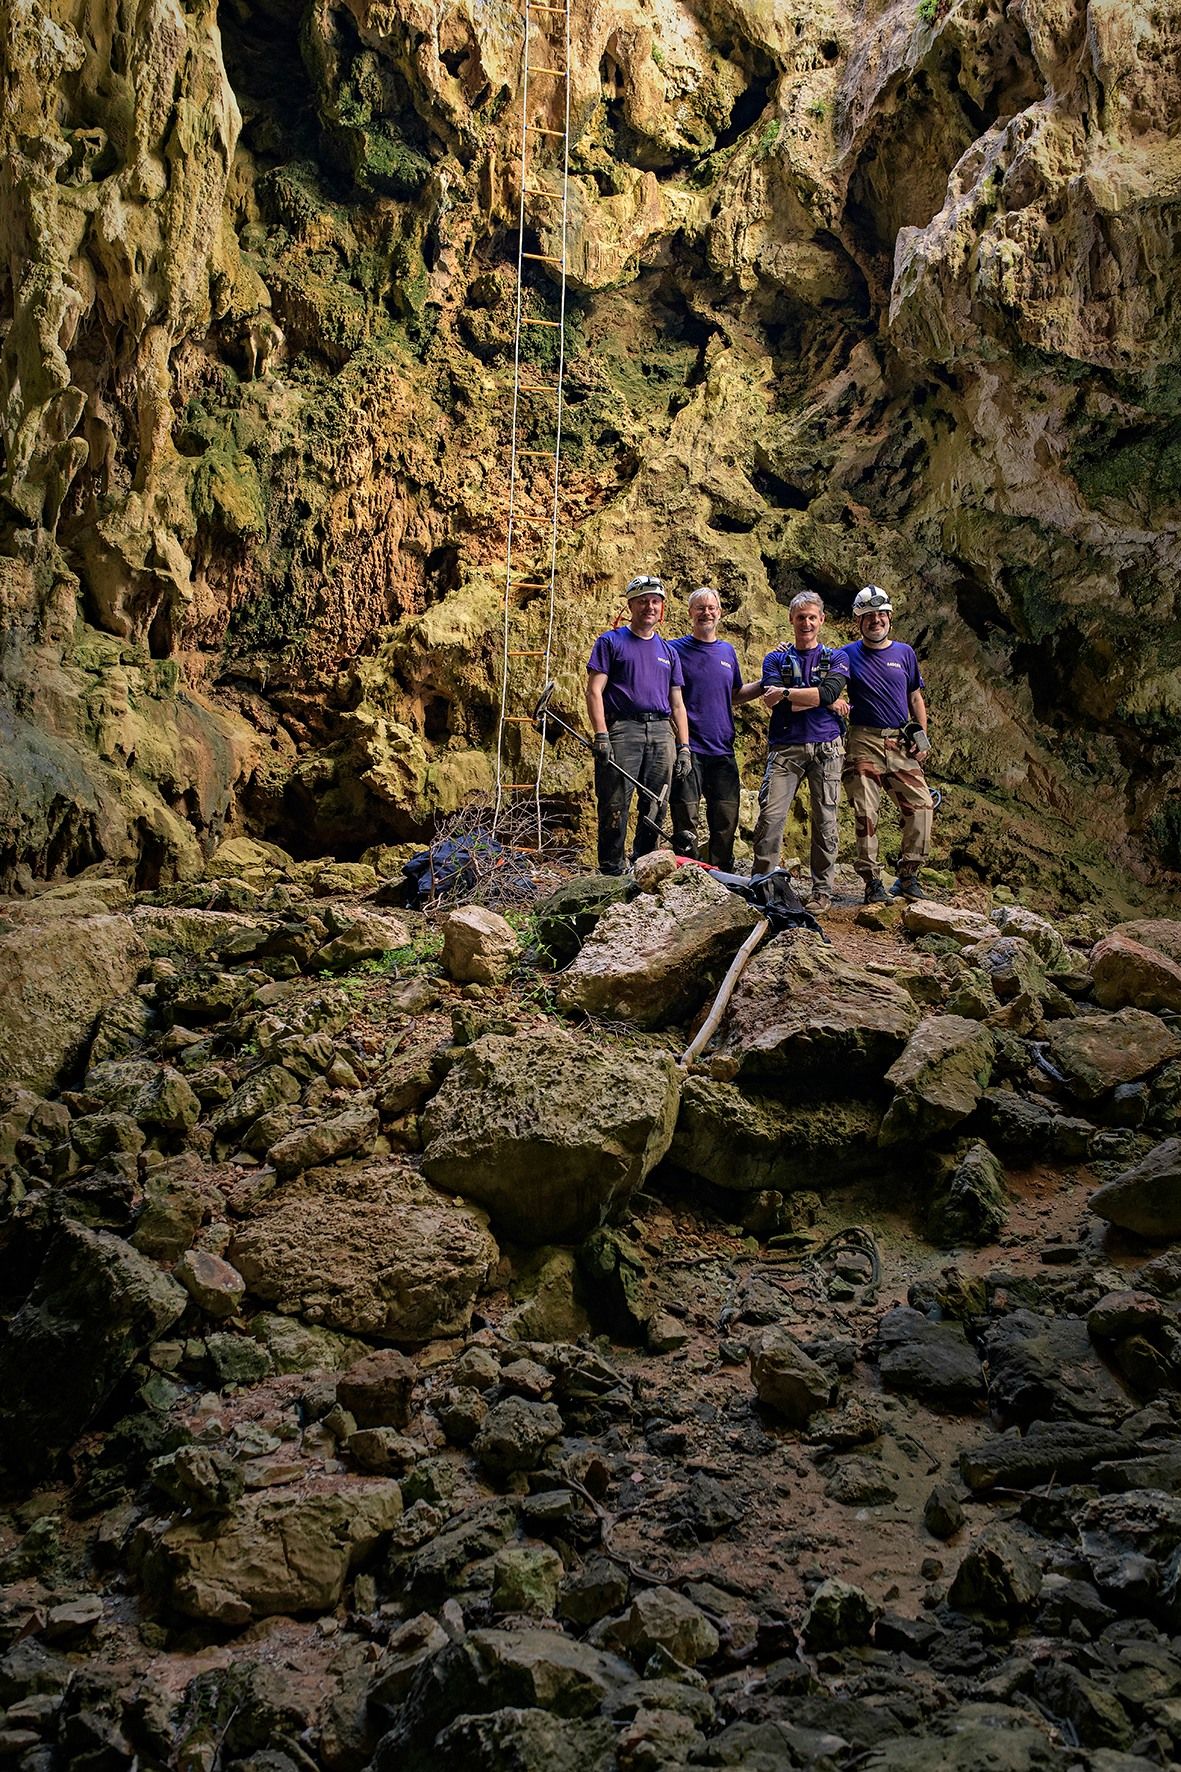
[887,740]
[804,685]
[637,714]
[713,685]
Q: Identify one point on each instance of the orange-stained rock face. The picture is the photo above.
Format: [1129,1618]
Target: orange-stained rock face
[851,298]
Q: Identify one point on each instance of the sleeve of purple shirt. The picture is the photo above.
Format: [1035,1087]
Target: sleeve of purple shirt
[600,658]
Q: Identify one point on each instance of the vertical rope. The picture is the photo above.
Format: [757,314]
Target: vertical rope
[512,472]
[555,512]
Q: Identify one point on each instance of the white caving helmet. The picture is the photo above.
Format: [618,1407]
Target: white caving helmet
[871,600]
[644,585]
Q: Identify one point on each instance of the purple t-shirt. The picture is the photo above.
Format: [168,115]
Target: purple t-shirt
[881,682]
[809,725]
[713,678]
[638,672]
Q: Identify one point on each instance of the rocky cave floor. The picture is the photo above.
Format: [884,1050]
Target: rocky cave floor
[306,1471]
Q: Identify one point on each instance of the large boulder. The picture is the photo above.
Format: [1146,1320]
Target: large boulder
[95,1305]
[803,1018]
[927,916]
[479,945]
[1096,1053]
[372,1251]
[1161,933]
[274,1553]
[1146,1198]
[1046,941]
[1126,972]
[938,1079]
[972,1206]
[934,1361]
[1047,1369]
[527,1670]
[549,1132]
[655,959]
[55,980]
[748,1143]
[787,1380]
[565,919]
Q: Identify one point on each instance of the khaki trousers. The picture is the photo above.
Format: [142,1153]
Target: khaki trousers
[874,761]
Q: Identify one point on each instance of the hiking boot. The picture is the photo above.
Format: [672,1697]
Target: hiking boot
[820,901]
[907,886]
[875,893]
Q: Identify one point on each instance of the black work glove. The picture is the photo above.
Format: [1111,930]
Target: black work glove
[601,745]
[684,763]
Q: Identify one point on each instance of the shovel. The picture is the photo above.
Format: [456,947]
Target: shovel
[658,802]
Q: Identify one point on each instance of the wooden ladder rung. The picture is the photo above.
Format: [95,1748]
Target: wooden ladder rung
[524,652]
[560,10]
[542,454]
[518,787]
[526,320]
[540,129]
[536,191]
[543,258]
[560,73]
[518,720]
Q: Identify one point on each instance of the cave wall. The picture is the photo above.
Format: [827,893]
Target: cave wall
[882,293]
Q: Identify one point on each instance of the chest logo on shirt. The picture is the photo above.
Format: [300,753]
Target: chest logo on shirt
[893,665]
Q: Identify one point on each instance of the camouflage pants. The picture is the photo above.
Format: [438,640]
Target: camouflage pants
[874,761]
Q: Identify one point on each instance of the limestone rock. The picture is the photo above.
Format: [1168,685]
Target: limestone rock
[274,1553]
[973,1206]
[479,945]
[374,1252]
[1127,972]
[514,1434]
[1161,933]
[997,1576]
[94,1306]
[1146,1198]
[525,1579]
[54,981]
[1047,1369]
[1098,1052]
[938,1079]
[550,1133]
[1046,941]
[934,1361]
[376,1390]
[533,1670]
[802,1017]
[1011,966]
[1060,1451]
[787,1380]
[927,917]
[175,1202]
[661,1618]
[349,1133]
[654,960]
[177,930]
[746,1143]
[211,1282]
[366,937]
[838,1616]
[567,916]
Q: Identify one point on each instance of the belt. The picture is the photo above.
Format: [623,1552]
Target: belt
[878,731]
[647,717]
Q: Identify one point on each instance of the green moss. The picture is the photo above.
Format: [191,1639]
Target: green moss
[1147,463]
[225,491]
[1164,833]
